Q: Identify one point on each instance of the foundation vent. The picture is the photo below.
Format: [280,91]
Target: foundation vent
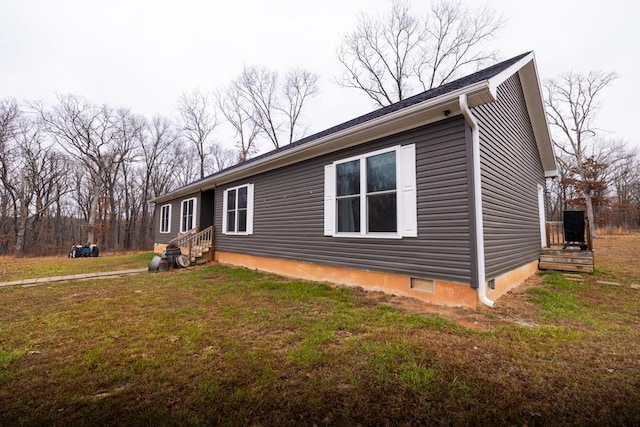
[426,285]
[492,284]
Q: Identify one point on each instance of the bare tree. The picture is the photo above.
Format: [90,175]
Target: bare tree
[272,105]
[222,157]
[299,85]
[126,138]
[623,176]
[159,139]
[183,171]
[99,139]
[9,157]
[572,105]
[43,181]
[388,57]
[198,119]
[258,86]
[32,174]
[237,110]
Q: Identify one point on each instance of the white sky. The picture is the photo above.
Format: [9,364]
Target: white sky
[142,54]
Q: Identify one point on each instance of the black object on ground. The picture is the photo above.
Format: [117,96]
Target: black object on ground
[83,251]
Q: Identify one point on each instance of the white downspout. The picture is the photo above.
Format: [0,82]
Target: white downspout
[477,200]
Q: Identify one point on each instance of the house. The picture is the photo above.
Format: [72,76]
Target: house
[437,197]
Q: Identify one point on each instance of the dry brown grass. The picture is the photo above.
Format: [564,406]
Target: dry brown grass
[217,345]
[12,268]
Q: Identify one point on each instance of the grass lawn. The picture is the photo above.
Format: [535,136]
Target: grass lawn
[34,267]
[217,345]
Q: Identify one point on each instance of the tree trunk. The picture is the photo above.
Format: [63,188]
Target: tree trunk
[143,232]
[113,223]
[93,213]
[590,218]
[21,230]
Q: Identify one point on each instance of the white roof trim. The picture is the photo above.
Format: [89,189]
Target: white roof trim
[501,77]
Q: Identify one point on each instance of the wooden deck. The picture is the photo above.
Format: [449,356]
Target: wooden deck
[566,260]
[557,256]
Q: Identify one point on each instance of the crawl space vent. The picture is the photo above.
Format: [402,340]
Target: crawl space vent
[426,285]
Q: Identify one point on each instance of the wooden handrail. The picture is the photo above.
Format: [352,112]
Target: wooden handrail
[183,238]
[194,238]
[555,233]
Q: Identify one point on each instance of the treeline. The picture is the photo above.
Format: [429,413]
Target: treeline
[611,175]
[596,174]
[79,172]
[76,172]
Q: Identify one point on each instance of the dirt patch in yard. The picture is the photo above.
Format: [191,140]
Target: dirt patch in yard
[617,260]
[513,307]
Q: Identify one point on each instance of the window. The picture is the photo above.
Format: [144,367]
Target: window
[372,195]
[165,219]
[187,212]
[237,207]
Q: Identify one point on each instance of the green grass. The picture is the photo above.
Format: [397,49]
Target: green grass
[569,300]
[556,304]
[224,346]
[30,268]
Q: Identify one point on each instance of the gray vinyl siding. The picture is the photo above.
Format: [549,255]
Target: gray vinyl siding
[289,211]
[511,170]
[175,218]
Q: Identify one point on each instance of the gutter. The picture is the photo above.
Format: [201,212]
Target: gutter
[477,201]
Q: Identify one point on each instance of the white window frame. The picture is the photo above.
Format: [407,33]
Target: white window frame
[249,230]
[162,209]
[183,228]
[406,201]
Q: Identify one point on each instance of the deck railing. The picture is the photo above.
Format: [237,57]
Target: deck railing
[555,234]
[195,241]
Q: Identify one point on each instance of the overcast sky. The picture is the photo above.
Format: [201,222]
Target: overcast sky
[143,54]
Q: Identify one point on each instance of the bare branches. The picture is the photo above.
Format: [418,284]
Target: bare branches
[198,119]
[572,104]
[454,38]
[298,86]
[386,57]
[222,157]
[258,87]
[100,138]
[259,103]
[237,110]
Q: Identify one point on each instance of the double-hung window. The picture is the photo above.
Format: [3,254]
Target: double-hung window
[165,219]
[372,195]
[237,207]
[187,214]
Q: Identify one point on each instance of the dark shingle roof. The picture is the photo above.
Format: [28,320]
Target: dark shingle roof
[462,82]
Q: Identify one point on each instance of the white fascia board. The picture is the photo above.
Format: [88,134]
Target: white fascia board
[407,118]
[534,100]
[501,77]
